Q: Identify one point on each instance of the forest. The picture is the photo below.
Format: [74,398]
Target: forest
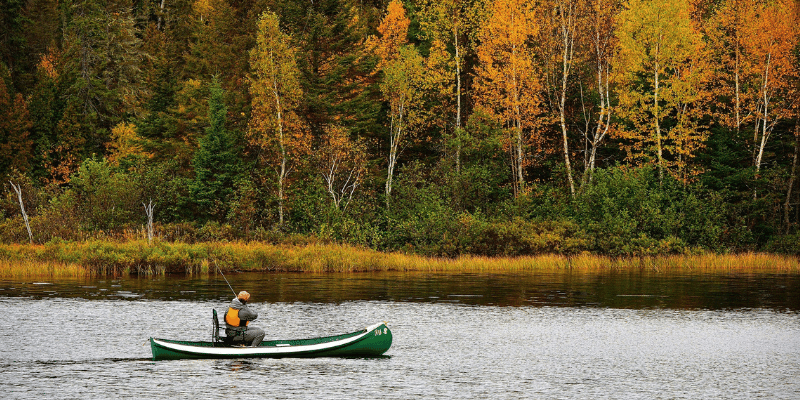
[431,127]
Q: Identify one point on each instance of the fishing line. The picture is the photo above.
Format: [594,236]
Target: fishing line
[226,279]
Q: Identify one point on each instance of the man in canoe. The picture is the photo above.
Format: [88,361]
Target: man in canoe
[237,320]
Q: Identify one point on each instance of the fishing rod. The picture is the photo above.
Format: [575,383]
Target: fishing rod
[226,279]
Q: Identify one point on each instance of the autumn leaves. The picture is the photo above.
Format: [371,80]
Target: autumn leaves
[560,77]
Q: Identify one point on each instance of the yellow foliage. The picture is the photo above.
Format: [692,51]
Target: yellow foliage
[507,82]
[203,7]
[125,142]
[664,76]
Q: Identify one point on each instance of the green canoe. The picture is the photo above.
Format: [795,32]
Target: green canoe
[371,341]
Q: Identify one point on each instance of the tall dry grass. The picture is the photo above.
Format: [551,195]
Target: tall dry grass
[22,269]
[103,258]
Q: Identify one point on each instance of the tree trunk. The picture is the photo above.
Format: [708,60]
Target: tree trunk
[160,14]
[787,203]
[764,132]
[395,135]
[282,171]
[568,37]
[658,127]
[458,101]
[18,190]
[738,102]
[148,211]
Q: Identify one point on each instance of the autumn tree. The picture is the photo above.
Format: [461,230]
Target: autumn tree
[662,92]
[46,109]
[447,24]
[599,49]
[15,125]
[401,68]
[507,84]
[560,28]
[725,31]
[126,145]
[275,128]
[342,163]
[768,40]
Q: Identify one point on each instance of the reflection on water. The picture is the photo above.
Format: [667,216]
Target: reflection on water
[463,336]
[609,289]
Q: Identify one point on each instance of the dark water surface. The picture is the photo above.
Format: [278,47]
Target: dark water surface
[631,335]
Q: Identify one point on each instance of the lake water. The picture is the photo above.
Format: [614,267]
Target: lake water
[632,335]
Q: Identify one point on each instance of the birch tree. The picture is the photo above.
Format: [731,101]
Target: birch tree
[342,164]
[725,31]
[400,88]
[507,84]
[275,129]
[401,67]
[447,23]
[769,38]
[18,191]
[600,48]
[661,53]
[560,30]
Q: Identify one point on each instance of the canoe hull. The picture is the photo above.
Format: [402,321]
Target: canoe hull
[372,341]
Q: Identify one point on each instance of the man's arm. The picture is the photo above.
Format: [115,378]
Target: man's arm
[247,314]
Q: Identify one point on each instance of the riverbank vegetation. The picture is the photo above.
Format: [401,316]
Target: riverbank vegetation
[147,136]
[104,258]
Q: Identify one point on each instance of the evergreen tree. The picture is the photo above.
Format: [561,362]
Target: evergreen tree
[216,163]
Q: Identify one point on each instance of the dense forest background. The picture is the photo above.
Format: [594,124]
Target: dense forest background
[439,127]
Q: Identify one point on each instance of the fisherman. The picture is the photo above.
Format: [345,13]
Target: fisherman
[237,320]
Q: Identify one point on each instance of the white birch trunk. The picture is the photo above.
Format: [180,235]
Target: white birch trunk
[765,118]
[568,39]
[18,190]
[787,203]
[395,136]
[282,170]
[148,211]
[458,99]
[657,119]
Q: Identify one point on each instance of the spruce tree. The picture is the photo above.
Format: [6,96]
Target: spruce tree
[216,162]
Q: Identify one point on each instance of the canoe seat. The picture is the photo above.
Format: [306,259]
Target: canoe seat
[215,337]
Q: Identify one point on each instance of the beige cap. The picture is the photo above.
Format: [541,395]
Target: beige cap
[244,295]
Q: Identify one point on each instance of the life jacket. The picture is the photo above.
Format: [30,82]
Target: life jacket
[232,318]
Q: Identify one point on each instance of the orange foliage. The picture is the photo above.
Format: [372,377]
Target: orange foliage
[768,40]
[507,83]
[393,32]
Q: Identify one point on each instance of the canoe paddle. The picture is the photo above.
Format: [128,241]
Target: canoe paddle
[226,279]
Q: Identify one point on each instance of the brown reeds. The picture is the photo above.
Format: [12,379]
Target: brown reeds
[102,258]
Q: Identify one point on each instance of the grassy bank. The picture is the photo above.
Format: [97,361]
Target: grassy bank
[104,258]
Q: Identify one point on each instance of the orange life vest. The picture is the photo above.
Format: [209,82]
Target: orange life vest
[232,318]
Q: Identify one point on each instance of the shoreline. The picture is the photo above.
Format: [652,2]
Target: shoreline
[61,259]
